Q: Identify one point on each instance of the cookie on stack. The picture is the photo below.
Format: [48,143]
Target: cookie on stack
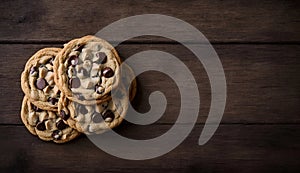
[69,91]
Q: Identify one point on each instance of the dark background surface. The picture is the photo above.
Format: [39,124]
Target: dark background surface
[258,43]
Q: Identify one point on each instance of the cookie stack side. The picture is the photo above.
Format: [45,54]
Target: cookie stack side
[69,91]
[87,70]
[40,103]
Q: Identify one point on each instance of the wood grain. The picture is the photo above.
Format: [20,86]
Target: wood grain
[258,43]
[234,148]
[263,82]
[219,21]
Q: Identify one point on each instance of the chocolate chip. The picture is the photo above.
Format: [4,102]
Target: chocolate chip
[41,126]
[107,72]
[61,125]
[83,110]
[73,60]
[32,70]
[108,116]
[36,109]
[53,101]
[102,57]
[41,83]
[97,118]
[75,82]
[63,115]
[56,134]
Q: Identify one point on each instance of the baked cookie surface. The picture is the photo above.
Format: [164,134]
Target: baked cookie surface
[87,70]
[37,79]
[47,125]
[97,118]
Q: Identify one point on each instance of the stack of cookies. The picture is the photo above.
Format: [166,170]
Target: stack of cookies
[82,88]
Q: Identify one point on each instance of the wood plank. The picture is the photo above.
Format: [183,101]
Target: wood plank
[235,148]
[262,82]
[219,21]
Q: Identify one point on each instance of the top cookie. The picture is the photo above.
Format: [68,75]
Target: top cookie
[87,69]
[37,80]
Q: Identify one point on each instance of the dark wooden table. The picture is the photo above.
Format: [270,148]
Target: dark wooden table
[258,43]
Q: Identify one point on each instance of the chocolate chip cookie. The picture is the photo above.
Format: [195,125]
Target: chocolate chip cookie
[97,118]
[87,69]
[37,80]
[47,125]
[87,118]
